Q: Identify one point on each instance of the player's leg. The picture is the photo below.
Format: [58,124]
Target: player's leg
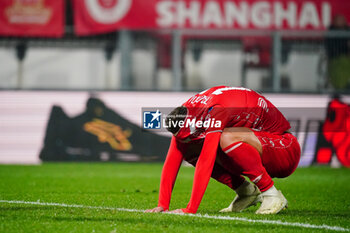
[247,193]
[191,153]
[281,155]
[223,176]
[234,181]
[244,150]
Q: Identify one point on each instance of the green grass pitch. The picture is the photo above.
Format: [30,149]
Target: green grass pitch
[316,195]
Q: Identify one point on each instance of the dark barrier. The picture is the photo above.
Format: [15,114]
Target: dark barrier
[99,134]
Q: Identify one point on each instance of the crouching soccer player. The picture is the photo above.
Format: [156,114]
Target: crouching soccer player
[228,133]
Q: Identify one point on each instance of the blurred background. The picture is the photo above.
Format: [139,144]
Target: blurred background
[75,74]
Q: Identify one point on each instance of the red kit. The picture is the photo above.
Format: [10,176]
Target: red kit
[197,142]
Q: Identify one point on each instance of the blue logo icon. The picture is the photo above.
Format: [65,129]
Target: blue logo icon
[152,120]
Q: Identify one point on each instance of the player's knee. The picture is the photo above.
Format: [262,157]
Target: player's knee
[227,138]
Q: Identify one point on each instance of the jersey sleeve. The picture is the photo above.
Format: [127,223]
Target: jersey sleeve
[204,168]
[169,173]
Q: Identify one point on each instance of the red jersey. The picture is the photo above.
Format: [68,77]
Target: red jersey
[224,107]
[209,112]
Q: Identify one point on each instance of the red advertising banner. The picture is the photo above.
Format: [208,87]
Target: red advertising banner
[40,18]
[98,16]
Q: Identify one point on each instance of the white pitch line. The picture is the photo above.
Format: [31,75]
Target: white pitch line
[261,221]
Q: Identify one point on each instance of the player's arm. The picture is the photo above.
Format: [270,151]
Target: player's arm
[169,173]
[204,168]
[206,161]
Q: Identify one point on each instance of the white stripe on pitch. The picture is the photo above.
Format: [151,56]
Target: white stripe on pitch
[261,221]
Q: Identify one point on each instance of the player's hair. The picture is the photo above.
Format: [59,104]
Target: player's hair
[176,115]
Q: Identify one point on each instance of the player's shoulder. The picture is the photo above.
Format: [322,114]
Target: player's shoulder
[219,90]
[225,95]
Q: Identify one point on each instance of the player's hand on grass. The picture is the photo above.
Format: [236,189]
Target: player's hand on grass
[178,211]
[155,210]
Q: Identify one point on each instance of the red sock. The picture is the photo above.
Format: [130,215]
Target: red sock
[223,176]
[244,159]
